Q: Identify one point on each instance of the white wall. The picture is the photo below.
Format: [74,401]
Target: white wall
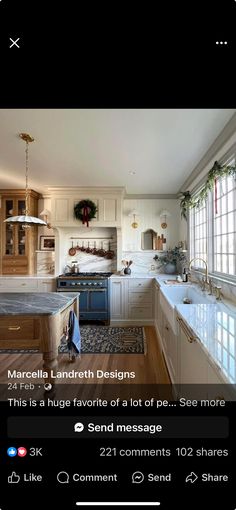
[148,218]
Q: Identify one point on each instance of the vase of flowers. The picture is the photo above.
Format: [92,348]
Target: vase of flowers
[170,259]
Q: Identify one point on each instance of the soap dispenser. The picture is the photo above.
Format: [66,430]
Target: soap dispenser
[185,275]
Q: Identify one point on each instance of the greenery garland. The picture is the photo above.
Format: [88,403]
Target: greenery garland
[188,201]
[85,211]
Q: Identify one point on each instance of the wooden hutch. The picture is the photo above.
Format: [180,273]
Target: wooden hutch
[18,245]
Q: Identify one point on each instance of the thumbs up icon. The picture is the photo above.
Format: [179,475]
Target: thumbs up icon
[13,478]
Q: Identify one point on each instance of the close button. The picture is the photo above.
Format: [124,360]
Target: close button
[14,42]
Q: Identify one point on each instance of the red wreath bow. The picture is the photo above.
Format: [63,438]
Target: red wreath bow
[86,211]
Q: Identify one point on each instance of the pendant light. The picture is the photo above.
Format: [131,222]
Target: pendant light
[26,221]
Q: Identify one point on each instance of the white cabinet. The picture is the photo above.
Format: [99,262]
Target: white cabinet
[18,284]
[27,284]
[193,366]
[117,299]
[158,314]
[45,285]
[170,348]
[140,299]
[108,202]
[131,300]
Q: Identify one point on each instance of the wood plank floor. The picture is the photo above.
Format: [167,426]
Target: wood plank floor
[149,368]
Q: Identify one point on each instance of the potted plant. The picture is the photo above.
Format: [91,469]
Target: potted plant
[170,259]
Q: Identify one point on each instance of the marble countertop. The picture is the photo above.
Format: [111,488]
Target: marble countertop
[215,327]
[151,274]
[33,303]
[28,277]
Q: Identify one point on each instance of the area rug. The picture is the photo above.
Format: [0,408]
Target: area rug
[101,340]
[110,340]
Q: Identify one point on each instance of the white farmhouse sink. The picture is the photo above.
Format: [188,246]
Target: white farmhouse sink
[170,297]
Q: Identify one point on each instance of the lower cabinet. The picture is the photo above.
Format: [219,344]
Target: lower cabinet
[192,368]
[117,298]
[170,348]
[27,285]
[47,285]
[131,300]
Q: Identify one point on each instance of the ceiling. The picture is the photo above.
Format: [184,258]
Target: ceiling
[96,147]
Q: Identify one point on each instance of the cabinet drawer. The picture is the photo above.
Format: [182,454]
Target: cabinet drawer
[22,330]
[140,284]
[140,312]
[15,261]
[18,285]
[15,270]
[140,297]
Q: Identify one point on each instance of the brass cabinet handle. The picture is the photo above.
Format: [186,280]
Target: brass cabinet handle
[186,331]
[13,328]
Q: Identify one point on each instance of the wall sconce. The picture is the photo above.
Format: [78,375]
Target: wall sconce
[164,214]
[133,214]
[45,213]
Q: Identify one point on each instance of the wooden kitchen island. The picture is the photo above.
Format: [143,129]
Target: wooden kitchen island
[33,320]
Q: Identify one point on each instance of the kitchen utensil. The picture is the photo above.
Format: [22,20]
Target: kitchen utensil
[77,247]
[109,253]
[82,247]
[88,250]
[72,250]
[94,250]
[101,251]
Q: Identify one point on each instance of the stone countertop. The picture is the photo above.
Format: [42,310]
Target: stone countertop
[28,277]
[215,327]
[33,303]
[151,274]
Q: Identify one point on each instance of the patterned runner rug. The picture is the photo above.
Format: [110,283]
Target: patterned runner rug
[110,340]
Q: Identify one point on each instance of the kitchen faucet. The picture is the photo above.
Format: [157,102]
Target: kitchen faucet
[206,279]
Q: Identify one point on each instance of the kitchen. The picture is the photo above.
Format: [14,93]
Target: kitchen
[118,236]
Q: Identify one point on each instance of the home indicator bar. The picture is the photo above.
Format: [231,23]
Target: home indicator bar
[117,503]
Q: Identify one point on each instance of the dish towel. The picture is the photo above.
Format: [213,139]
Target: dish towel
[73,336]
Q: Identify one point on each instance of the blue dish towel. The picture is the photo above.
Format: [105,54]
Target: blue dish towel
[74,337]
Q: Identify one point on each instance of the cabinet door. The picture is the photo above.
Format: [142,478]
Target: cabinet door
[117,305]
[8,235]
[47,285]
[20,232]
[193,368]
[98,300]
[170,346]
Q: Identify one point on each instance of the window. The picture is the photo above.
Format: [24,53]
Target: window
[213,228]
[198,234]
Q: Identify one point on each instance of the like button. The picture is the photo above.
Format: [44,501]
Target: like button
[13,478]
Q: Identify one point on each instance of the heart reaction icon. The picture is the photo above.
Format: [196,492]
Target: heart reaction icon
[22,452]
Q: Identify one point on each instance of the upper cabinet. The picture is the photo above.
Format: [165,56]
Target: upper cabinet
[17,244]
[107,200]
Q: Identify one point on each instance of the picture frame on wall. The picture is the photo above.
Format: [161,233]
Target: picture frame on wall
[47,243]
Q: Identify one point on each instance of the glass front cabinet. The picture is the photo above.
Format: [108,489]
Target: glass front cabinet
[18,245]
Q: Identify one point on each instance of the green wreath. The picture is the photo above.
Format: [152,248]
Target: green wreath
[85,211]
